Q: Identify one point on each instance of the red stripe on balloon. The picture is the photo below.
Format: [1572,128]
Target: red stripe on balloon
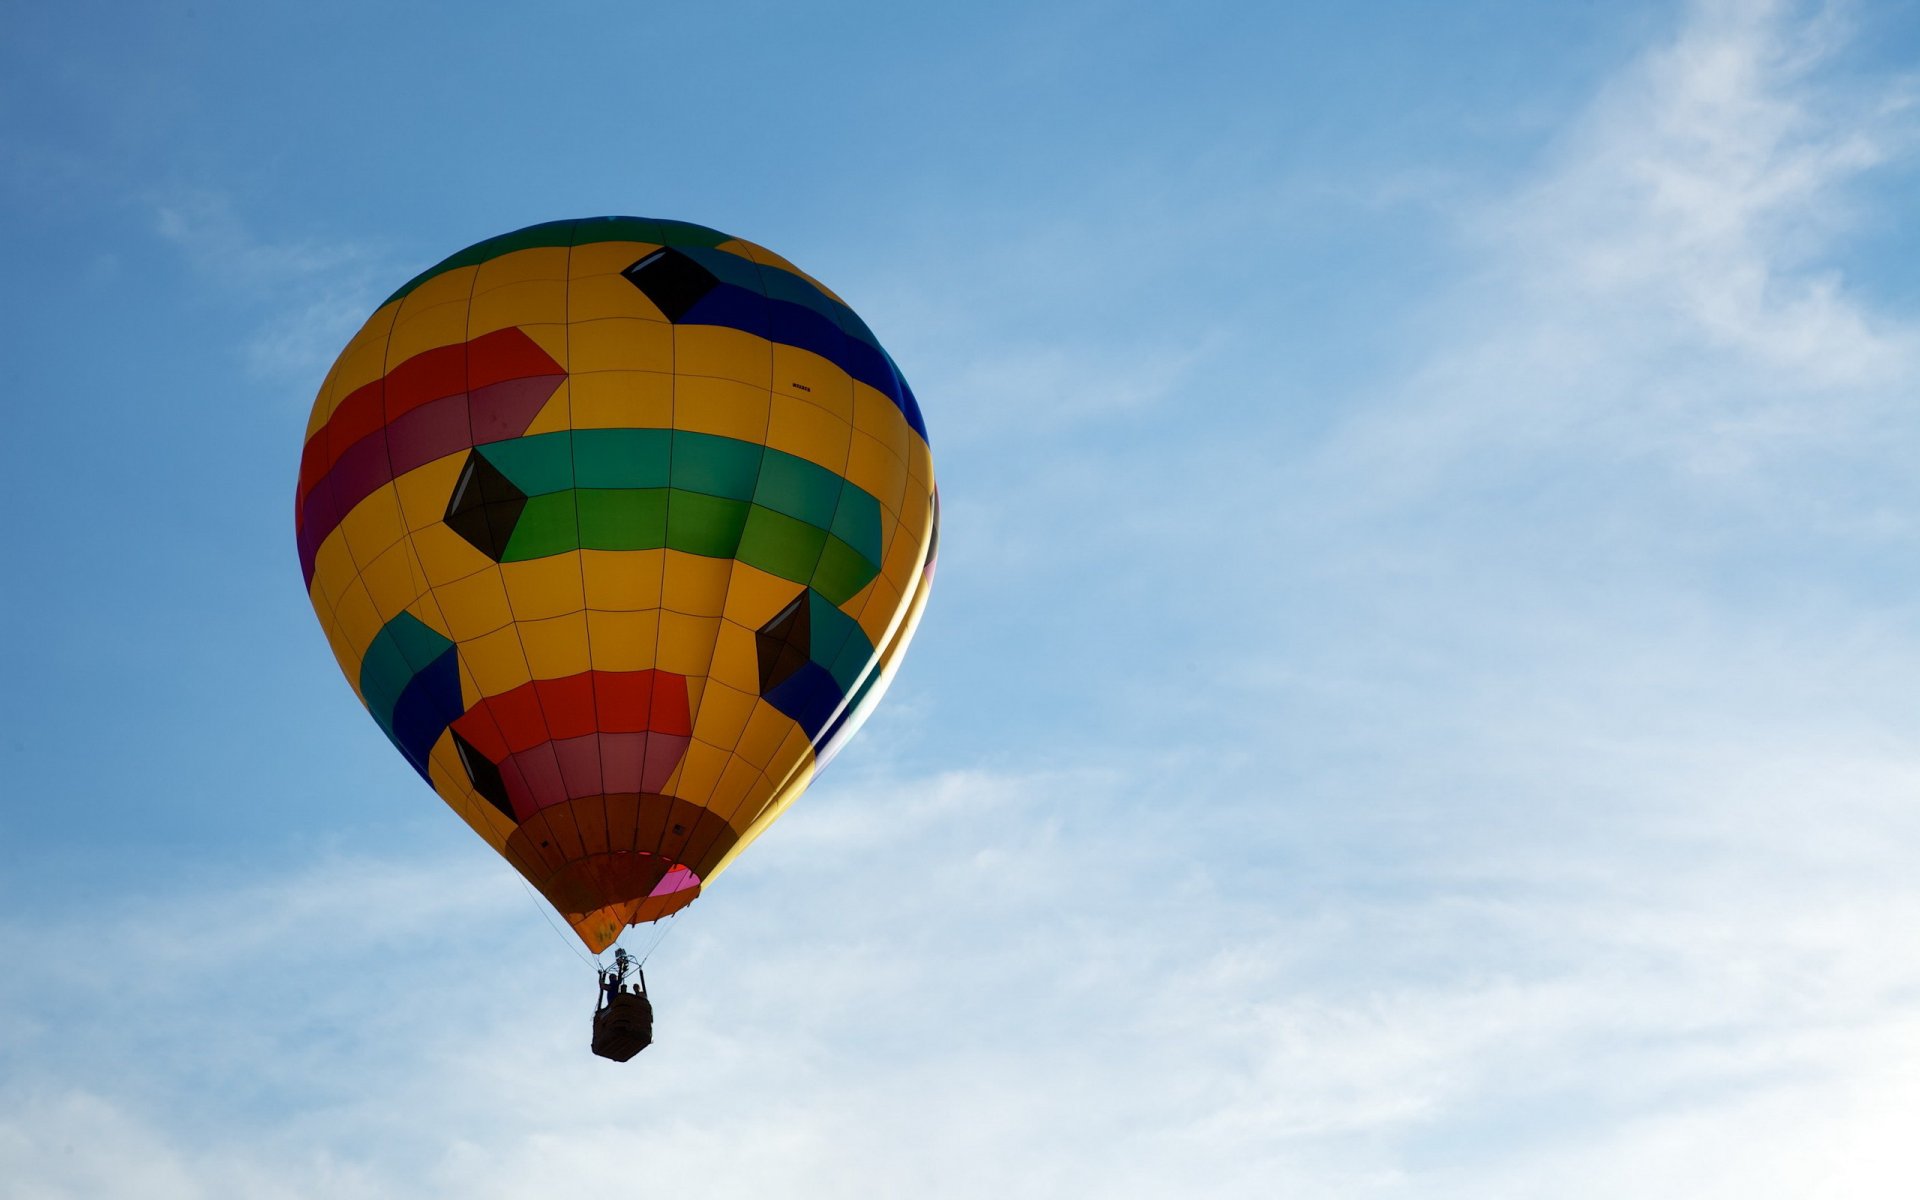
[436,403]
[589,734]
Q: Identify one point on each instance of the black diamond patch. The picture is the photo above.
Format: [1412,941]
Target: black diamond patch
[671,280]
[485,507]
[485,776]
[783,643]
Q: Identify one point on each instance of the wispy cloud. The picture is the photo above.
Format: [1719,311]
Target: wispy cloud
[1667,286]
[309,296]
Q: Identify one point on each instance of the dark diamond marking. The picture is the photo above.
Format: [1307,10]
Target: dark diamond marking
[674,282]
[485,507]
[485,776]
[783,643]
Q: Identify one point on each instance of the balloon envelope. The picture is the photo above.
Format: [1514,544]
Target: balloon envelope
[618,527]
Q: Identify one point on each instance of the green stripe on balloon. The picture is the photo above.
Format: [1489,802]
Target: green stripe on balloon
[692,523]
[703,465]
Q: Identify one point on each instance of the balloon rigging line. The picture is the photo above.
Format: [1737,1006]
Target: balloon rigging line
[593,962]
[665,928]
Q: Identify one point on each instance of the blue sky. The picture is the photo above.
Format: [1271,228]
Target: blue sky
[1418,702]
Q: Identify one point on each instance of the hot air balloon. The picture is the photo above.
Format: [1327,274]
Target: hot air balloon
[619,528]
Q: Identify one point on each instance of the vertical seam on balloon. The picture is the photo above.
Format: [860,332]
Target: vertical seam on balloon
[539,701]
[513,618]
[726,594]
[432,593]
[660,600]
[580,556]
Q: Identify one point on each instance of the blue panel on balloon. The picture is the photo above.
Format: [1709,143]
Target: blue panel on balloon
[809,696]
[430,703]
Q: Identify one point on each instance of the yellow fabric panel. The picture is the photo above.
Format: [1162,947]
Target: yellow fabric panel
[557,646]
[474,606]
[497,661]
[893,594]
[373,525]
[622,400]
[446,555]
[540,300]
[763,798]
[623,641]
[765,730]
[544,587]
[322,609]
[449,779]
[421,329]
[740,248]
[550,338]
[623,579]
[696,585]
[782,797]
[556,414]
[538,263]
[426,610]
[754,596]
[698,772]
[723,711]
[876,416]
[363,361]
[730,792]
[470,693]
[877,603]
[722,354]
[736,658]
[333,569]
[444,288]
[393,581]
[608,258]
[920,509]
[810,432]
[620,344]
[591,297]
[804,374]
[916,514]
[724,407]
[920,463]
[877,470]
[895,649]
[686,643]
[903,557]
[337,642]
[794,756]
[424,491]
[359,621]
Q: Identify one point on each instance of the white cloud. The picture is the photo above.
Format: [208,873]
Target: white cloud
[311,296]
[1665,288]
